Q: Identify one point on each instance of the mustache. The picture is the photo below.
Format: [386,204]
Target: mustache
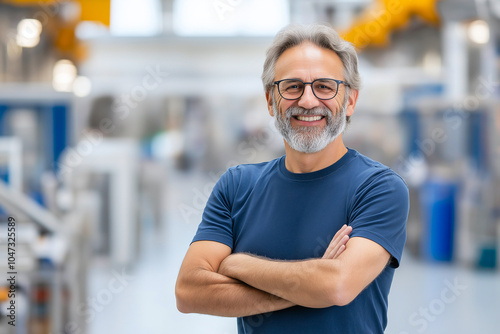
[318,111]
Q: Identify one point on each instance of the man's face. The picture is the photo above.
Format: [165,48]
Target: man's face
[309,124]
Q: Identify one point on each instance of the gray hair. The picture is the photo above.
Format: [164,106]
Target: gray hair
[320,35]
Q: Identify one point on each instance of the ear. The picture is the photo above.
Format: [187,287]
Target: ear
[269,101]
[351,103]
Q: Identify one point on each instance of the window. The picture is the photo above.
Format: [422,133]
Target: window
[135,18]
[230,17]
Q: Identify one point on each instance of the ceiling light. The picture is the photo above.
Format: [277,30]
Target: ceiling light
[28,33]
[479,32]
[64,75]
[82,86]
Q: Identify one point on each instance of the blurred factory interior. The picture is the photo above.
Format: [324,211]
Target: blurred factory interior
[117,118]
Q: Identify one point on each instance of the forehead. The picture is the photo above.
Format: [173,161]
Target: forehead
[308,61]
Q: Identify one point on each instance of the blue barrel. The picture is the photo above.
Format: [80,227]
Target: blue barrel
[437,198]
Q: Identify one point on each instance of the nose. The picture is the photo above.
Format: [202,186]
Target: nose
[308,100]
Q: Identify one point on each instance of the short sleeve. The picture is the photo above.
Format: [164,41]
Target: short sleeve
[380,212]
[216,223]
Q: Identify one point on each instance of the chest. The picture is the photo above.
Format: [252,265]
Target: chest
[289,222]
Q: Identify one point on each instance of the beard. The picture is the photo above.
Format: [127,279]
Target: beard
[310,139]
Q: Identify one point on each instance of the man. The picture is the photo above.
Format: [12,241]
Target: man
[264,250]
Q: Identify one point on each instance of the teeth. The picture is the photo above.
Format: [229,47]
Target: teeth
[309,118]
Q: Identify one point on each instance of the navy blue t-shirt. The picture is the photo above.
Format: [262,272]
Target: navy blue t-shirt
[266,210]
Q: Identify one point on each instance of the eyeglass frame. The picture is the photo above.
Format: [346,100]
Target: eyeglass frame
[339,82]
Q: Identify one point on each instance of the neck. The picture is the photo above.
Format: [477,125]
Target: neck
[299,162]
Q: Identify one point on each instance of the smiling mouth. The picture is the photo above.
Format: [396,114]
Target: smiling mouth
[308,118]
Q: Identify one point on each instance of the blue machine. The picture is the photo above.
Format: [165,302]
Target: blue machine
[438,198]
[54,124]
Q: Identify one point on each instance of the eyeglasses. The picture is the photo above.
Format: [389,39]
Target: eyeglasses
[323,89]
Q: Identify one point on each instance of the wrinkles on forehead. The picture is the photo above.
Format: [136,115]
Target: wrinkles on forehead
[307,62]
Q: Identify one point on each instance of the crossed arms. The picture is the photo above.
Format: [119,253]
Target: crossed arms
[214,281]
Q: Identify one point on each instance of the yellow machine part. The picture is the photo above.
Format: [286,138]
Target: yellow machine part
[64,32]
[91,10]
[4,292]
[375,24]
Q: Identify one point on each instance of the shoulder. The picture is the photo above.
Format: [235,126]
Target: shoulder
[245,176]
[249,172]
[372,174]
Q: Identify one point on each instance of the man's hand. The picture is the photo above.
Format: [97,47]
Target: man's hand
[337,245]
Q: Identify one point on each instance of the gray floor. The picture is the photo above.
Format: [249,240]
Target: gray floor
[425,298]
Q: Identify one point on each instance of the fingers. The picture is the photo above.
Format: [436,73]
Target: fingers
[341,249]
[337,245]
[338,248]
[337,240]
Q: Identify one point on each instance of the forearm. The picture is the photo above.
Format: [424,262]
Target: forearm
[310,283]
[207,292]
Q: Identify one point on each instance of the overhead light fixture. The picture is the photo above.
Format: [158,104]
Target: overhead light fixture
[479,32]
[82,86]
[28,33]
[64,75]
[432,62]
